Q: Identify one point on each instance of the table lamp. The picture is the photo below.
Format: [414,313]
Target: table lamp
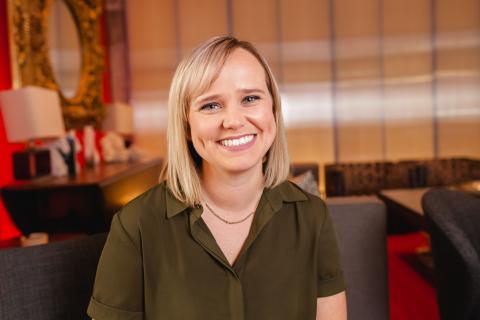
[31,113]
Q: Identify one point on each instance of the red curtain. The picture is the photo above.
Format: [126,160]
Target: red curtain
[7,228]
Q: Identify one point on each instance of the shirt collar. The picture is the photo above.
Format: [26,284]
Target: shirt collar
[284,192]
[174,206]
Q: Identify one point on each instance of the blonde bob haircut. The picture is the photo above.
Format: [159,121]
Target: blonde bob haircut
[194,75]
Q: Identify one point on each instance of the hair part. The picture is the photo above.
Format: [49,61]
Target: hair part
[194,75]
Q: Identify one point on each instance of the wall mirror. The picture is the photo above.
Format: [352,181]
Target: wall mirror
[56,44]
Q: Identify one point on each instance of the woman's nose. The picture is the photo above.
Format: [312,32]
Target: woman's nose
[233,118]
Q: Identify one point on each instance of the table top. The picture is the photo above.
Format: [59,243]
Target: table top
[408,198]
[412,198]
[102,174]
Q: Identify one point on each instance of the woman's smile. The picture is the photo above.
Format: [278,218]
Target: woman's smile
[238,143]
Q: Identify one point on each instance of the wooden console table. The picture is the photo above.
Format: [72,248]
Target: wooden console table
[85,203]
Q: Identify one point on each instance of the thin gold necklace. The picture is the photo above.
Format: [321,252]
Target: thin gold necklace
[226,221]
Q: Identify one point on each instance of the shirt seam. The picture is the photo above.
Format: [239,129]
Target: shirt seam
[124,231]
[114,308]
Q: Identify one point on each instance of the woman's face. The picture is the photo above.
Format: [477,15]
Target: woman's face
[232,125]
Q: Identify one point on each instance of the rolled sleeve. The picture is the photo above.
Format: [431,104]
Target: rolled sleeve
[118,289]
[330,278]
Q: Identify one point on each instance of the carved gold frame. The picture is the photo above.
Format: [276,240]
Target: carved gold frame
[30,61]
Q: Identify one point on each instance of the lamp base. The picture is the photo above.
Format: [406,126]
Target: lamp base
[31,163]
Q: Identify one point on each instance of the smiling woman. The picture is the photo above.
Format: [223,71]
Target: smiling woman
[225,236]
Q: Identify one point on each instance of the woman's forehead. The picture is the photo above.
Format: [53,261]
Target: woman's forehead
[240,68]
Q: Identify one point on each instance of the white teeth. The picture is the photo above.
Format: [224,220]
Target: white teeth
[237,142]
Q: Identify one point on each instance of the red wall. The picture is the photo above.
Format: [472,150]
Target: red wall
[7,227]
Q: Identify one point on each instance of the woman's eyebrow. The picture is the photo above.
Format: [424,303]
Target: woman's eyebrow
[206,98]
[252,90]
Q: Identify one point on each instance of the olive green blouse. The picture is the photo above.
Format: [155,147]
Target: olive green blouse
[160,261]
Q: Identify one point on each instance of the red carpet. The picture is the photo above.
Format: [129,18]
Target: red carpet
[412,297]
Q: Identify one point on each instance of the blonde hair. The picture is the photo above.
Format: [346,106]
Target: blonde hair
[194,75]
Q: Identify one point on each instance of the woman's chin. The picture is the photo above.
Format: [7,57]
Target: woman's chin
[242,167]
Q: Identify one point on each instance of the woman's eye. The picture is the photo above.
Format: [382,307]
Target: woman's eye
[250,99]
[210,106]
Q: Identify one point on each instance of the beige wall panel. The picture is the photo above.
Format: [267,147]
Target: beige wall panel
[359,68]
[311,145]
[458,27]
[461,59]
[359,121]
[199,21]
[407,86]
[152,44]
[151,81]
[360,142]
[257,22]
[305,41]
[356,19]
[357,42]
[407,65]
[305,72]
[408,120]
[458,15]
[305,20]
[406,17]
[151,24]
[409,140]
[459,116]
[407,38]
[458,107]
[358,104]
[307,111]
[154,144]
[460,137]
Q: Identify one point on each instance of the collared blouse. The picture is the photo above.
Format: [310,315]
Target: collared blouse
[161,261]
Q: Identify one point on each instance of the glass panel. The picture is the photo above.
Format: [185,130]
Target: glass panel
[64,48]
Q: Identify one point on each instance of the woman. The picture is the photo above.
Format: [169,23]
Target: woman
[225,236]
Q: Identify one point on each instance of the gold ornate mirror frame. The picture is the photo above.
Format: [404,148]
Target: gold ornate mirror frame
[28,23]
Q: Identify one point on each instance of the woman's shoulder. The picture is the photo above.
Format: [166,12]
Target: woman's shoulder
[293,189]
[150,204]
[308,203]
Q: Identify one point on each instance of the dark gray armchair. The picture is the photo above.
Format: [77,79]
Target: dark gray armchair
[49,282]
[453,221]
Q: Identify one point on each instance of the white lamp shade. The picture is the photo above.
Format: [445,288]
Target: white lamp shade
[119,118]
[31,113]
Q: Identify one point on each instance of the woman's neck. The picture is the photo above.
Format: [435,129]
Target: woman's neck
[230,191]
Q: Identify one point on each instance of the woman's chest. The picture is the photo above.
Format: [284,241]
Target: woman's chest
[229,237]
